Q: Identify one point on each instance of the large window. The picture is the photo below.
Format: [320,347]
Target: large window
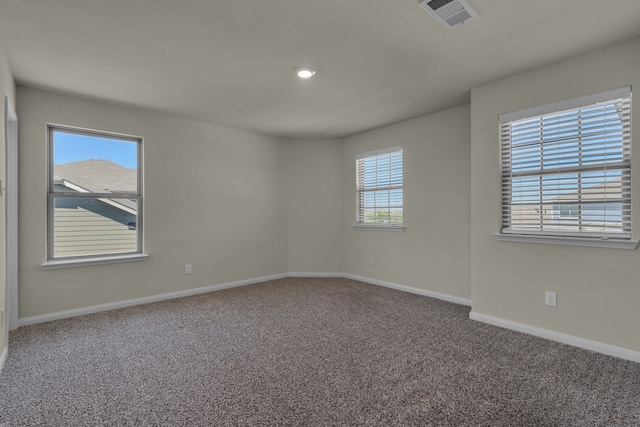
[379,187]
[566,168]
[95,194]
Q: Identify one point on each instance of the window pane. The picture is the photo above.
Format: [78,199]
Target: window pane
[72,147]
[396,215]
[94,194]
[382,198]
[88,163]
[382,215]
[369,215]
[369,200]
[89,226]
[395,198]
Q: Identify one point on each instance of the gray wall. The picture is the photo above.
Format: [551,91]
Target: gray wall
[315,206]
[433,252]
[215,197]
[598,289]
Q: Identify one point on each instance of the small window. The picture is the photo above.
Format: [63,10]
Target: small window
[570,212]
[566,168]
[95,194]
[379,189]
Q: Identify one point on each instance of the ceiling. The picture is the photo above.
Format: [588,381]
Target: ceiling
[231,62]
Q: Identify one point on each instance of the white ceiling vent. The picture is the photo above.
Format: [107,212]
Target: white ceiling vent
[449,12]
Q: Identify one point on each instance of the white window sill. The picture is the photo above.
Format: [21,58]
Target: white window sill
[379,227]
[570,241]
[84,262]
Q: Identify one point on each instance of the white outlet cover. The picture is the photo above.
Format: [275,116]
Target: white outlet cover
[550,299]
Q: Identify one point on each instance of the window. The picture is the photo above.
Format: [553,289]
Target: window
[566,168]
[379,186]
[566,212]
[95,195]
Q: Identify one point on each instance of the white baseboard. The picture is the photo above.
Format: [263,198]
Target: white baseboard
[3,358]
[296,274]
[432,294]
[596,346]
[144,300]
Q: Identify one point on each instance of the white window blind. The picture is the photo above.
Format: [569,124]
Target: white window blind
[379,184]
[566,168]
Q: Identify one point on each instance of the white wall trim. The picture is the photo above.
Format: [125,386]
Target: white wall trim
[410,289]
[144,300]
[379,227]
[569,104]
[87,261]
[569,241]
[11,216]
[3,358]
[301,274]
[596,346]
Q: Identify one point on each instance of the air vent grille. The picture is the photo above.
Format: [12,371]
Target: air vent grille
[449,12]
[437,4]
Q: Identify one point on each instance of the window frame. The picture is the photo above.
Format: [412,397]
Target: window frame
[53,262]
[606,238]
[378,226]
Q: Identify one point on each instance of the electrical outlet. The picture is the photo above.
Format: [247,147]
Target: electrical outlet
[187,269]
[550,299]
[373,260]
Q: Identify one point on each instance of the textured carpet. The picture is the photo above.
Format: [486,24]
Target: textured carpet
[306,352]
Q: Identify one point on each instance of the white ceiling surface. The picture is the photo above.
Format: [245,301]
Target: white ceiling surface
[231,62]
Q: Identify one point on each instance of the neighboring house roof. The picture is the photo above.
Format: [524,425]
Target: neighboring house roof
[99,176]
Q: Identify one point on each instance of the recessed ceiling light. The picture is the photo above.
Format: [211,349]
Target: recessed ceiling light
[305,72]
